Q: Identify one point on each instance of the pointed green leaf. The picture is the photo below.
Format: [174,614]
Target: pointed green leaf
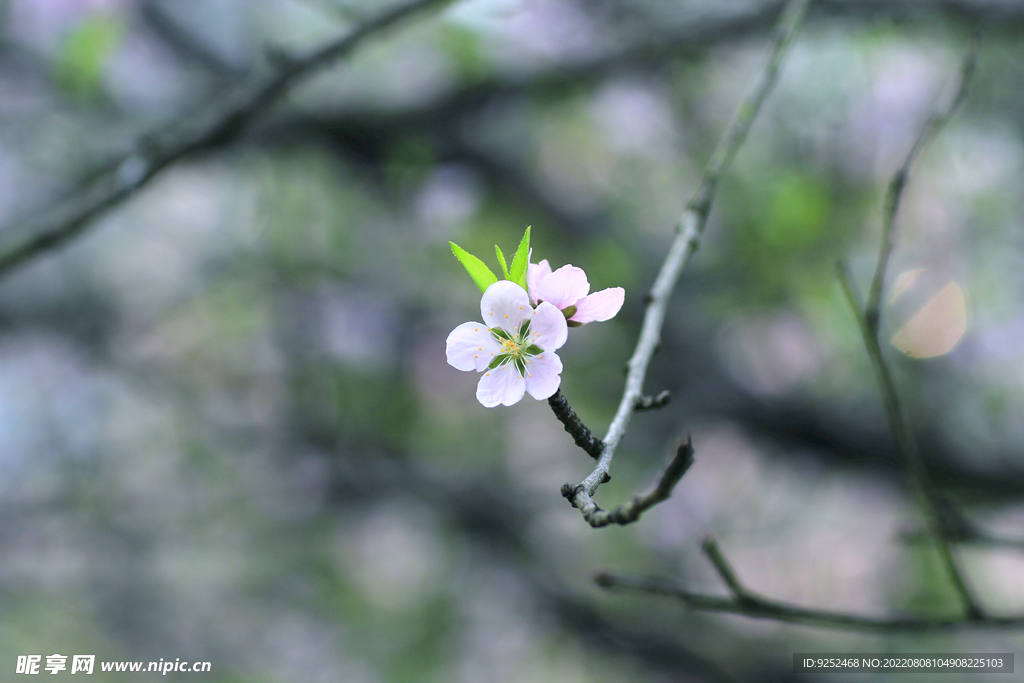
[481,274]
[501,260]
[533,350]
[499,333]
[521,261]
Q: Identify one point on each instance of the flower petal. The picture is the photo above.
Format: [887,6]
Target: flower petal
[505,304]
[502,385]
[599,306]
[471,347]
[542,372]
[534,274]
[548,329]
[564,287]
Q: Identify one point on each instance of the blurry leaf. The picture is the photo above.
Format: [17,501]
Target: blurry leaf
[80,63]
[481,274]
[501,260]
[465,49]
[797,213]
[521,261]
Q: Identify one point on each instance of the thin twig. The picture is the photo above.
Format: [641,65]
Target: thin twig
[689,229]
[959,529]
[724,569]
[754,606]
[627,513]
[747,603]
[894,193]
[653,402]
[868,321]
[157,151]
[907,447]
[184,44]
[51,228]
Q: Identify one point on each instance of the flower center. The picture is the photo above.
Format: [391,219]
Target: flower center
[516,347]
[510,346]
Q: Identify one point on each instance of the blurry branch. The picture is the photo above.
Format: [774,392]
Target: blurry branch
[839,438]
[868,320]
[689,229]
[68,218]
[513,179]
[746,603]
[336,8]
[184,44]
[221,126]
[961,530]
[690,38]
[506,532]
[894,193]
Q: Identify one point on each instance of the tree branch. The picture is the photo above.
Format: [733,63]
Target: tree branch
[868,321]
[579,432]
[627,513]
[959,529]
[749,604]
[653,402]
[187,46]
[689,229]
[54,227]
[725,571]
[894,193]
[160,150]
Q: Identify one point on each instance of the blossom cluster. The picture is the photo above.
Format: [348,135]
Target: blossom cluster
[515,344]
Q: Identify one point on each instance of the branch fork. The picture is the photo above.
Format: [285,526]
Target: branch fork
[688,231]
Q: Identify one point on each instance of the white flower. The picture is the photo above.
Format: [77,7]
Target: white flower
[567,289]
[514,347]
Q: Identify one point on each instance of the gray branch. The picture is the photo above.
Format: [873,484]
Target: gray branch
[69,218]
[690,226]
[161,150]
[868,321]
[627,513]
[746,603]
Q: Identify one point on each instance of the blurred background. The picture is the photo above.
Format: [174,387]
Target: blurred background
[228,432]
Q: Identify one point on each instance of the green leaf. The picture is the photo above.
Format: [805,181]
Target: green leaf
[521,261]
[533,350]
[481,274]
[501,260]
[499,333]
[79,65]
